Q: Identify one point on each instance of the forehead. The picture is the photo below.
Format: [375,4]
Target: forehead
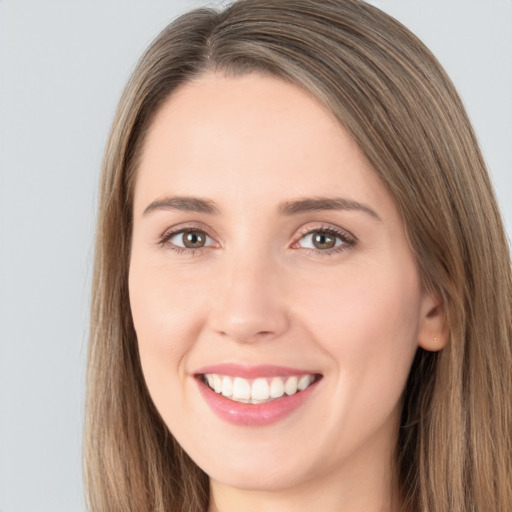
[230,137]
[202,110]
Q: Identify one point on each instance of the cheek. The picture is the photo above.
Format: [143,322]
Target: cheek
[166,301]
[367,323]
[377,305]
[166,314]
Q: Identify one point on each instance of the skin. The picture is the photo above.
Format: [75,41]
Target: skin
[260,292]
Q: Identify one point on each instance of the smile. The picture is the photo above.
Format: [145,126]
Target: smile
[255,396]
[257,391]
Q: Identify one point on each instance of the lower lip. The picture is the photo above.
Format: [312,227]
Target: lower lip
[254,415]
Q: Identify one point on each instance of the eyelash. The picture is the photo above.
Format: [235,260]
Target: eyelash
[164,240]
[348,241]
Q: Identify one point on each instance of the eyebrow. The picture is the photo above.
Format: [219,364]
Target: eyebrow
[317,204]
[187,204]
[295,207]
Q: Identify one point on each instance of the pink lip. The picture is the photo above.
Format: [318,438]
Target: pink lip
[252,372]
[254,415]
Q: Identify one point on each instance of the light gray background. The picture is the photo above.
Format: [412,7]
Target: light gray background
[62,68]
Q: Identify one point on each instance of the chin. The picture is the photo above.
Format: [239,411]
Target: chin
[257,468]
[268,479]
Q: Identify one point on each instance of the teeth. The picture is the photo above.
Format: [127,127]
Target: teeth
[227,386]
[217,384]
[241,388]
[276,388]
[259,390]
[290,387]
[304,382]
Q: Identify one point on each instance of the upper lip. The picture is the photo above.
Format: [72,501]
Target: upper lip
[252,371]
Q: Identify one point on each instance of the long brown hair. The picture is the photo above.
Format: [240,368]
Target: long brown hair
[454,446]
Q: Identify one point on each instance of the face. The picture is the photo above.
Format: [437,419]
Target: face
[269,263]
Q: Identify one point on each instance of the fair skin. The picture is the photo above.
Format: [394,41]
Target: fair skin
[331,291]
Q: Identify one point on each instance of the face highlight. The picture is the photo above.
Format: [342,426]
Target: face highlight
[276,301]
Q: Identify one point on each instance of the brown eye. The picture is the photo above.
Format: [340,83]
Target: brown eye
[323,240]
[190,239]
[193,239]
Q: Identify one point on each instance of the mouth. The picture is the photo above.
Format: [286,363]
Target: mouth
[255,396]
[259,390]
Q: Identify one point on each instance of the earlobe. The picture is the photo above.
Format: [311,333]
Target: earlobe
[433,331]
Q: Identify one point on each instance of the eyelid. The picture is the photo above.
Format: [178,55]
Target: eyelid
[348,239]
[176,234]
[165,237]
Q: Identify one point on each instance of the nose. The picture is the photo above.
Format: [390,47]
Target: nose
[250,305]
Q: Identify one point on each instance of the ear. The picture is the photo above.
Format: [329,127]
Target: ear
[433,329]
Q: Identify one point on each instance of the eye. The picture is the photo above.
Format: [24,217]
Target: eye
[187,239]
[321,240]
[326,240]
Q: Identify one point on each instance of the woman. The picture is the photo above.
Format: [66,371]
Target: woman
[302,294]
